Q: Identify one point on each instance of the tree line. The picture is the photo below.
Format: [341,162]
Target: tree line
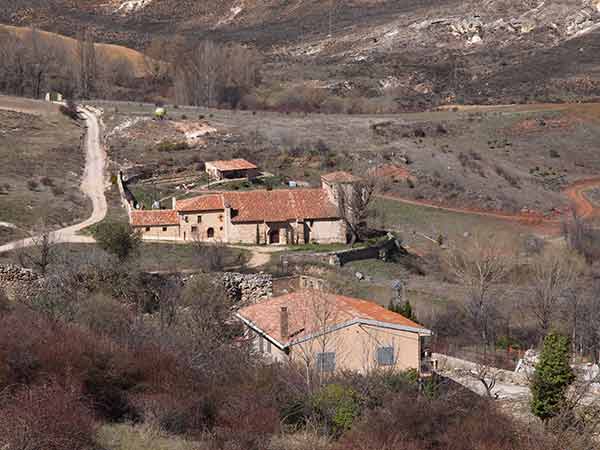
[184,71]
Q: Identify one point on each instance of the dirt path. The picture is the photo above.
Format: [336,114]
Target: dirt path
[259,256]
[92,184]
[575,193]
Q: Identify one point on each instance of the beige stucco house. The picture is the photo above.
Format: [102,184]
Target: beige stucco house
[329,332]
[231,169]
[280,216]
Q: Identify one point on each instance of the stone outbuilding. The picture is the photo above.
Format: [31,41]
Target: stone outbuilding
[231,169]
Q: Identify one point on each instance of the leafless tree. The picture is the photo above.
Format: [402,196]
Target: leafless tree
[554,276]
[86,60]
[480,266]
[40,254]
[354,200]
[208,73]
[581,237]
[487,376]
[154,55]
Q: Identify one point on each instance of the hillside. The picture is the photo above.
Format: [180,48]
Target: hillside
[420,53]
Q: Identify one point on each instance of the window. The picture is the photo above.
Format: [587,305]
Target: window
[194,229]
[220,228]
[326,361]
[185,219]
[221,217]
[164,228]
[210,233]
[199,219]
[268,346]
[385,356]
[147,228]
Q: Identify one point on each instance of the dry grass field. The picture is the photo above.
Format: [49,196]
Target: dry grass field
[512,159]
[42,164]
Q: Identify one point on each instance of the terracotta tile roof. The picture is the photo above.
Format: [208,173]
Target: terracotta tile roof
[155,217]
[308,308]
[211,202]
[280,205]
[340,177]
[232,164]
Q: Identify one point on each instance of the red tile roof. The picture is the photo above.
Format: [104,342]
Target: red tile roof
[156,217]
[213,202]
[232,164]
[340,177]
[280,205]
[310,311]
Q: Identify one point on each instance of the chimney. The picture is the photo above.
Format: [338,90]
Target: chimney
[284,322]
[173,202]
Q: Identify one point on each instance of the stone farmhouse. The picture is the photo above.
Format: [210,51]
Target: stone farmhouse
[329,332]
[280,216]
[231,169]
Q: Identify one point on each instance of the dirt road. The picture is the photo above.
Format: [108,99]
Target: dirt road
[550,225]
[92,184]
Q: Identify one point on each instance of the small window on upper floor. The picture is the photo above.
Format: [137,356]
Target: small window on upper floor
[147,228]
[185,219]
[164,228]
[385,356]
[221,217]
[199,219]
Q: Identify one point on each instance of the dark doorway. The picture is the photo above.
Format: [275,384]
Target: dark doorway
[274,236]
[210,233]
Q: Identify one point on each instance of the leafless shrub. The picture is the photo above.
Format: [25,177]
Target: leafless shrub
[46,416]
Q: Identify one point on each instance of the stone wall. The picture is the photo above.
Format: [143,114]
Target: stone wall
[247,288]
[446,364]
[382,250]
[19,283]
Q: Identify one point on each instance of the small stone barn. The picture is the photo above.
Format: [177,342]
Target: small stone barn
[231,169]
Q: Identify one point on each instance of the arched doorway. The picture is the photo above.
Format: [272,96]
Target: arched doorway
[210,233]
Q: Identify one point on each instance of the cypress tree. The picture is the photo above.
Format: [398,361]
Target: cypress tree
[553,375]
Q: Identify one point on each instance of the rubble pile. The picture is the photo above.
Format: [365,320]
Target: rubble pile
[247,289]
[18,282]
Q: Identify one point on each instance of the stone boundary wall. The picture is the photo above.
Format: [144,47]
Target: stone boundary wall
[339,258]
[445,363]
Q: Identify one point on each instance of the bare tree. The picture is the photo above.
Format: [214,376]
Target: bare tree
[354,200]
[209,73]
[86,60]
[40,254]
[154,55]
[554,276]
[487,376]
[480,266]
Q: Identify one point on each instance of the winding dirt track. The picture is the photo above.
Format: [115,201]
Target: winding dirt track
[550,225]
[92,184]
